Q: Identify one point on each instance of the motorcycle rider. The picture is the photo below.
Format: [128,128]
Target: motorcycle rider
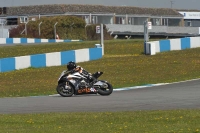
[72,68]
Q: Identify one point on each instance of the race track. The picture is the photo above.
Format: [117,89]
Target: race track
[184,95]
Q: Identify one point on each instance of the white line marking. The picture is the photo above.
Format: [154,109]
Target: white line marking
[143,86]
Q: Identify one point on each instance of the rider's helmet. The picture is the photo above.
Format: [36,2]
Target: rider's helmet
[71,65]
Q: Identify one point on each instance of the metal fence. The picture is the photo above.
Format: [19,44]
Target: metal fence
[157,30]
[4,32]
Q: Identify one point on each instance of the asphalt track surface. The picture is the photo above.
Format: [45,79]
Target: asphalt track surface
[183,95]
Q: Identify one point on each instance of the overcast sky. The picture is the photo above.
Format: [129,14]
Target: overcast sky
[178,4]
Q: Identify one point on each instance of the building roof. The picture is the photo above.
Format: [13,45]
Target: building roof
[188,10]
[67,8]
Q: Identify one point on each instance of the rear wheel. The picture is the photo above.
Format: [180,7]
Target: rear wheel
[65,91]
[105,89]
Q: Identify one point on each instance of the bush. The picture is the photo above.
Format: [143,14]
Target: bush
[68,27]
[92,35]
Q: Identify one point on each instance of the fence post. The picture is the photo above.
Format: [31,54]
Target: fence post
[146,35]
[26,28]
[39,28]
[55,29]
[102,39]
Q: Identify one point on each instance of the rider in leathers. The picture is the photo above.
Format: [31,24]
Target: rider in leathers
[72,68]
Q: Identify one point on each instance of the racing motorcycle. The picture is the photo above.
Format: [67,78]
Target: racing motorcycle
[77,84]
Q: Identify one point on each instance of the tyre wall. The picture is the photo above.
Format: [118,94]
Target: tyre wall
[49,59]
[172,44]
[30,40]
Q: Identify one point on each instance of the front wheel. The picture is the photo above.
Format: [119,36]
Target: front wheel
[65,91]
[105,89]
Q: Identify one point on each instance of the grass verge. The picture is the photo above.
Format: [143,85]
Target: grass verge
[177,121]
[123,65]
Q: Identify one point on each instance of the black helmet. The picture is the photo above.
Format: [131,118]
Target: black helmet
[71,65]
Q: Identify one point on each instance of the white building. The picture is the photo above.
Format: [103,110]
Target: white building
[191,18]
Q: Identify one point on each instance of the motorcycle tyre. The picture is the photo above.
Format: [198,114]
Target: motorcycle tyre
[59,91]
[106,93]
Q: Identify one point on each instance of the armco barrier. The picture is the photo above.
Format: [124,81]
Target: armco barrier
[173,44]
[49,59]
[31,40]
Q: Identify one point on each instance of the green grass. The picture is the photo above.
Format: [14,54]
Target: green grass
[20,50]
[177,121]
[123,65]
[29,49]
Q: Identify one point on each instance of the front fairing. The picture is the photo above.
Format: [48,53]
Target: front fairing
[70,78]
[63,72]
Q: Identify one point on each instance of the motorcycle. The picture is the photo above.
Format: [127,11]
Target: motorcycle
[77,84]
